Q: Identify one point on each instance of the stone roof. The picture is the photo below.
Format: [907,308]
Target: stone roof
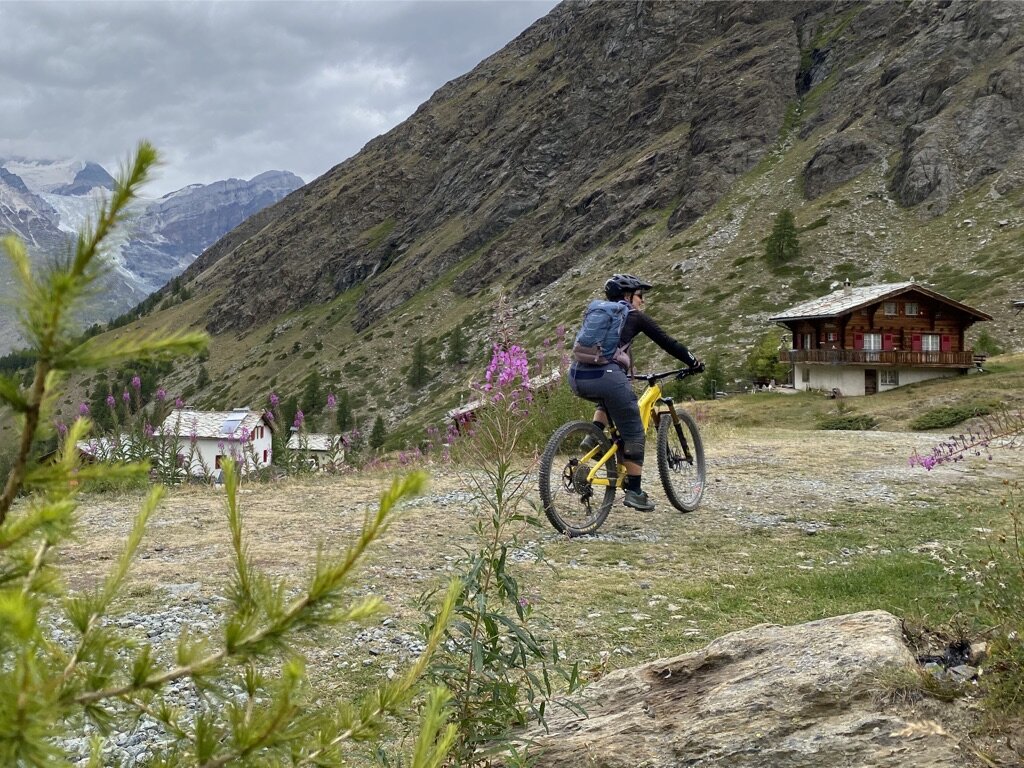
[314,441]
[848,299]
[212,424]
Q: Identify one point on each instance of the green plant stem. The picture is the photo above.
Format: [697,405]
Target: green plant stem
[28,432]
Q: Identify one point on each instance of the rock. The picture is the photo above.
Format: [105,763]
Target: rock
[838,159]
[804,695]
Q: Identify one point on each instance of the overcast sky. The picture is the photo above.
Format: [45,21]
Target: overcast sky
[232,88]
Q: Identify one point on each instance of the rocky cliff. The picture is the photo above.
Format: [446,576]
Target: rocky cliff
[604,116]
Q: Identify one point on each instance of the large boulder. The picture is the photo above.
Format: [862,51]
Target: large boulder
[768,696]
[840,157]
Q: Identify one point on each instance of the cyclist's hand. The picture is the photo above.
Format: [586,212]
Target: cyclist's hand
[698,366]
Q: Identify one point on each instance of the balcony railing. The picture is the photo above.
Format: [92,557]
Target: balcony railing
[878,357]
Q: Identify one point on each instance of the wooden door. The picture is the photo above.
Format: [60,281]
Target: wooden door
[870,381]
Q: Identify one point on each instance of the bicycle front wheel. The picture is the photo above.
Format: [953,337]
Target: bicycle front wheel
[574,505]
[681,460]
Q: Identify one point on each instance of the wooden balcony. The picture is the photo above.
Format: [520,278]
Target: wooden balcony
[900,358]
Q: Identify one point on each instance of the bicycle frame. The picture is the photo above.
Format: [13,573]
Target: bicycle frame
[650,402]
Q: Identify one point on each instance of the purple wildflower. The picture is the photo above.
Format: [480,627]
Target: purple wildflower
[161,394]
[274,400]
[62,428]
[111,402]
[83,409]
[136,382]
[244,435]
[332,402]
[300,419]
[126,396]
[179,403]
[148,430]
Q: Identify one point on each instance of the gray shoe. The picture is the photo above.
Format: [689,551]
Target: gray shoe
[638,500]
[589,443]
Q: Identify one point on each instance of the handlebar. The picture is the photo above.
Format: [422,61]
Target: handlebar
[679,373]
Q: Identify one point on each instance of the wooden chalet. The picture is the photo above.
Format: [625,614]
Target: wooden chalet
[859,340]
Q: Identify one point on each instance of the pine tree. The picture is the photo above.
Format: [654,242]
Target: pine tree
[378,434]
[782,245]
[312,396]
[343,414]
[203,377]
[418,373]
[457,347]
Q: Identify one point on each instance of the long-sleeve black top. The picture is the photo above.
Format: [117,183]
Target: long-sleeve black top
[638,322]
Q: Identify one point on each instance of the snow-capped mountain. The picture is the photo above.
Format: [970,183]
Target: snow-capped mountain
[47,203]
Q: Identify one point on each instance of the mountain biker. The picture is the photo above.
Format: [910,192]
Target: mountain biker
[609,386]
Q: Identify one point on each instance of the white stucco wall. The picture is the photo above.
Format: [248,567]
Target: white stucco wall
[850,381]
[208,449]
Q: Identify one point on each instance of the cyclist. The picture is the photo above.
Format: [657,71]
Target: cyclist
[609,386]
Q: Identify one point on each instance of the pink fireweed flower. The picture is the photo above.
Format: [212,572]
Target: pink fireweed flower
[300,419]
[111,402]
[83,409]
[136,382]
[62,428]
[269,415]
[161,394]
[126,396]
[274,400]
[243,436]
[179,403]
[332,402]
[148,430]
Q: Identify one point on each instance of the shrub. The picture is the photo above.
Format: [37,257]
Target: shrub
[950,415]
[851,421]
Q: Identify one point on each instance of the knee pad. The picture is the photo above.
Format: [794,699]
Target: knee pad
[633,453]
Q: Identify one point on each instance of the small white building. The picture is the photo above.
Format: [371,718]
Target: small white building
[206,438]
[322,450]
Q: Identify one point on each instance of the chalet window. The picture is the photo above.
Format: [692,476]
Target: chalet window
[830,336]
[872,345]
[264,455]
[889,377]
[809,341]
[890,308]
[216,461]
[930,342]
[910,309]
[805,375]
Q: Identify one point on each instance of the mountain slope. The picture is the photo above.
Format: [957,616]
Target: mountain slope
[660,138]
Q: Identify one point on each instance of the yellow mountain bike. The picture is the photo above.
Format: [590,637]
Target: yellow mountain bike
[578,482]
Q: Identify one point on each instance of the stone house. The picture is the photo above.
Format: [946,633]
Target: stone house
[321,449]
[205,438]
[859,340]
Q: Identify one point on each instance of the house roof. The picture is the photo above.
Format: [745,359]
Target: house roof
[844,301]
[314,441]
[213,424]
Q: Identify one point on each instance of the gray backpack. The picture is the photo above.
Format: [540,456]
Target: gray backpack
[597,343]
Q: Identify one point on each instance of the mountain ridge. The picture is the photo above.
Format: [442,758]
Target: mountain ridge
[659,138]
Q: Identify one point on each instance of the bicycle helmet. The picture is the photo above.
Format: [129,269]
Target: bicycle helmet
[618,286]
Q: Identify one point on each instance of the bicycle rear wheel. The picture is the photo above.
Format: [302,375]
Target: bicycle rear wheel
[681,462]
[575,506]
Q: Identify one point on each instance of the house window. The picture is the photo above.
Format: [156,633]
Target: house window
[264,455]
[216,461]
[808,341]
[890,308]
[805,375]
[930,342]
[910,309]
[872,346]
[830,336]
[889,377]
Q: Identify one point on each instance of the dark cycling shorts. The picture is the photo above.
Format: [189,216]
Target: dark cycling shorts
[608,386]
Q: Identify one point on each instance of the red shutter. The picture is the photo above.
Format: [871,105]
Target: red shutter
[858,341]
[946,344]
[887,341]
[915,342]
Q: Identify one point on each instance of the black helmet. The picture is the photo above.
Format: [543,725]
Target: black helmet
[619,285]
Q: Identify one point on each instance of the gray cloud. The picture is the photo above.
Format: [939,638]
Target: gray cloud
[231,89]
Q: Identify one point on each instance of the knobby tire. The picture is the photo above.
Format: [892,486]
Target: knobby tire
[682,479]
[573,506]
